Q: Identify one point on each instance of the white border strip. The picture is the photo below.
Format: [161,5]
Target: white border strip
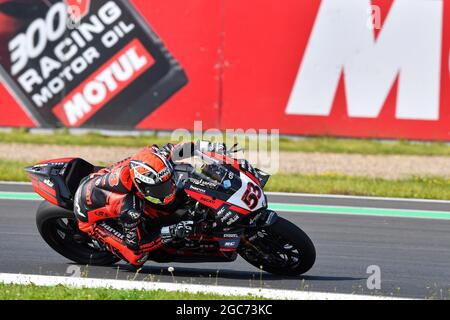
[310,195]
[22,279]
[336,196]
[19,183]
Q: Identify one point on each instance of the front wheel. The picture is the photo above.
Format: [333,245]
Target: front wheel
[281,248]
[59,228]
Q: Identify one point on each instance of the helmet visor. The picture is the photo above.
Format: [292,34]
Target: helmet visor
[158,193]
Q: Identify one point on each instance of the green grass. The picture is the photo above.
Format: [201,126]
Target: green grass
[415,187]
[32,292]
[365,146]
[88,139]
[13,170]
[321,144]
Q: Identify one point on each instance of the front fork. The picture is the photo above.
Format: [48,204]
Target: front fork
[262,220]
[266,218]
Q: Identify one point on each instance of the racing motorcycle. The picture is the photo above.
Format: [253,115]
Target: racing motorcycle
[224,197]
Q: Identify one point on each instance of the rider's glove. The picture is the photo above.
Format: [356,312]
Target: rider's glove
[178,152]
[206,146]
[177,231]
[219,148]
[183,229]
[166,151]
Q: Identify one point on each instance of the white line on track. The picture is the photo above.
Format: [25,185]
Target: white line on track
[310,195]
[19,183]
[336,196]
[22,279]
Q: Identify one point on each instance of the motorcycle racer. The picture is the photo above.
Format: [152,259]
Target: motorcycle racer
[128,189]
[219,200]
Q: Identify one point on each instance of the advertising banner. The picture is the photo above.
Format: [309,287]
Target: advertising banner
[352,68]
[333,67]
[86,64]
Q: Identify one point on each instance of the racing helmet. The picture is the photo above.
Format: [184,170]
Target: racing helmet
[152,174]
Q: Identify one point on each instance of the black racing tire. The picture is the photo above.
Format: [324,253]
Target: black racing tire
[56,225]
[283,231]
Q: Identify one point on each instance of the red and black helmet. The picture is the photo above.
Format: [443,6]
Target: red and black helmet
[152,174]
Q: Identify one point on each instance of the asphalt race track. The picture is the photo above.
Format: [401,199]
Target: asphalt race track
[413,254]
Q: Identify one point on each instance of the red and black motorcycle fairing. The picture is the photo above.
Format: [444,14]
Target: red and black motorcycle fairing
[57,181]
[224,199]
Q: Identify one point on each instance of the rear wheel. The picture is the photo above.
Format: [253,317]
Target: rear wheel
[282,248]
[59,228]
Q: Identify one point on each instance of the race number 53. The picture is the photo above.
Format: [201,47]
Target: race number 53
[251,195]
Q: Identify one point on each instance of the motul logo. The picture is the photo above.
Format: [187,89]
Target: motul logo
[114,76]
[408,50]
